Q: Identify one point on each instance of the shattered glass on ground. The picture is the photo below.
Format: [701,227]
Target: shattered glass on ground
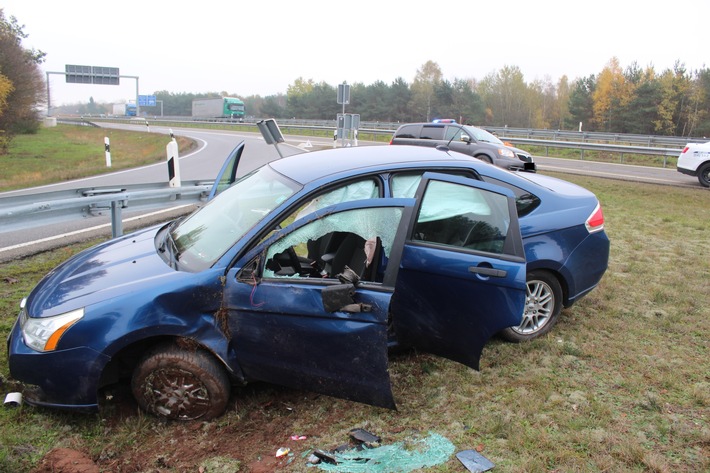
[401,457]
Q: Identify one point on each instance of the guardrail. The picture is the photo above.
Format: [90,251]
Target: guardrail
[26,211]
[610,148]
[590,141]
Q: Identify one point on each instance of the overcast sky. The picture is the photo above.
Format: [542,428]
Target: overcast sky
[261,47]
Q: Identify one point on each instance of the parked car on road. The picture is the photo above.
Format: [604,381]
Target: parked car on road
[694,160]
[303,273]
[465,139]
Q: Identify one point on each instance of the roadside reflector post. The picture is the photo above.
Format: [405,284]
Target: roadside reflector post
[107,148]
[173,164]
[147,125]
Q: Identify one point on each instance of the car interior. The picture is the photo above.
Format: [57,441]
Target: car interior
[329,255]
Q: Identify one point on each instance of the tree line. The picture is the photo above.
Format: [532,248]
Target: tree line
[673,102]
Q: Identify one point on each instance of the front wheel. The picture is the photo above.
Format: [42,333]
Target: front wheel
[543,304]
[704,175]
[181,384]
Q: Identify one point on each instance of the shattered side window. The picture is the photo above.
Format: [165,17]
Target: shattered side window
[360,190]
[361,239]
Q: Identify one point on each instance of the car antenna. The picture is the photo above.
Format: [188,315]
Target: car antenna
[446,146]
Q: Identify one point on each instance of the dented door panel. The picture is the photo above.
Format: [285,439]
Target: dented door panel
[282,329]
[282,334]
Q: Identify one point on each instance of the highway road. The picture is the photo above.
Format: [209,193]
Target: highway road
[203,163]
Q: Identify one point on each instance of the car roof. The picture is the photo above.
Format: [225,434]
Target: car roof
[343,162]
[305,168]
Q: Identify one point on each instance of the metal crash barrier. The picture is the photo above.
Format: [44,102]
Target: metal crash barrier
[27,211]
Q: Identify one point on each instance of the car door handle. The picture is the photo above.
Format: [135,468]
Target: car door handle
[492,272]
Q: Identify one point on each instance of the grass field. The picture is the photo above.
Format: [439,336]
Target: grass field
[622,384]
[68,152]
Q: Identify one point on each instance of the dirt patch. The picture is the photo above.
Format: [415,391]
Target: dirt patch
[65,460]
[244,440]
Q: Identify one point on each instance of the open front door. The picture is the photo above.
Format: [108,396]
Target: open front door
[295,322]
[461,276]
[228,174]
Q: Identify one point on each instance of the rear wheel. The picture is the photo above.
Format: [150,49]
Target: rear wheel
[181,384]
[704,175]
[543,304]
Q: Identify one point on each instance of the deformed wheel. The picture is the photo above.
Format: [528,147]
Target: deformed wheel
[543,303]
[181,384]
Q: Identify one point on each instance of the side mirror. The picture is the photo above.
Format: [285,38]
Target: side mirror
[340,298]
[465,138]
[336,297]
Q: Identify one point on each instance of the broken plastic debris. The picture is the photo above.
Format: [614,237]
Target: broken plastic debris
[13,400]
[363,436]
[325,456]
[474,461]
[298,437]
[282,452]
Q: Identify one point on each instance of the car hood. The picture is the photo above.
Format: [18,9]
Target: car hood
[520,151]
[117,268]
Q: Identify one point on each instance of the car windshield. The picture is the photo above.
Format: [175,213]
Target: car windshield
[482,135]
[207,234]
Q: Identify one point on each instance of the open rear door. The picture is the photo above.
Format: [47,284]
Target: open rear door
[461,276]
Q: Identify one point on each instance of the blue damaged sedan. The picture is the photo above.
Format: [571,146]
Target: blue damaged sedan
[303,273]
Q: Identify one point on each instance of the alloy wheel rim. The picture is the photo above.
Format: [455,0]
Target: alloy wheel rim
[539,303]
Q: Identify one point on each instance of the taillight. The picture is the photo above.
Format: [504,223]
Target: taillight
[684,150]
[595,222]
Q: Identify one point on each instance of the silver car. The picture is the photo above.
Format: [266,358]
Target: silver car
[465,139]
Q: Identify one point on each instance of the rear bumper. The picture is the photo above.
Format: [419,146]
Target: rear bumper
[590,260]
[688,172]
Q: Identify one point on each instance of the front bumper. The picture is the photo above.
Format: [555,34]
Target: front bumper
[65,379]
[527,167]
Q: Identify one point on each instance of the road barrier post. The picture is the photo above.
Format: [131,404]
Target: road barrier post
[173,164]
[107,148]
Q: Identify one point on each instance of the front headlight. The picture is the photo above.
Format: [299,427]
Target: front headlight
[505,152]
[44,334]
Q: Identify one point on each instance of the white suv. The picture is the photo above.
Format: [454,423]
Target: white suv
[694,160]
